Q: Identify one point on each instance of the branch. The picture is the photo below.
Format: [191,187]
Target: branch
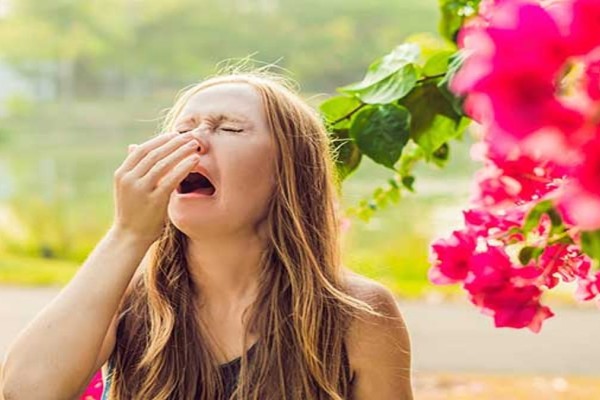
[349,115]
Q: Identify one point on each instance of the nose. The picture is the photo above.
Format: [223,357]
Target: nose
[199,134]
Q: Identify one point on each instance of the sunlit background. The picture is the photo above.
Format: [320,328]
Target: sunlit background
[80,80]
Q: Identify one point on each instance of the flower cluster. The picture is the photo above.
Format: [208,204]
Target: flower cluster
[496,263]
[531,79]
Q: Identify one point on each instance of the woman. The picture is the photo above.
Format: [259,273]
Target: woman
[220,276]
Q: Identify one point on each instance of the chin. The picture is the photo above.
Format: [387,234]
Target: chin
[187,218]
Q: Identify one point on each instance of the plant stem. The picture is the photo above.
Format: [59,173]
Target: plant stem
[427,78]
[349,115]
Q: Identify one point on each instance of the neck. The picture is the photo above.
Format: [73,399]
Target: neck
[225,269]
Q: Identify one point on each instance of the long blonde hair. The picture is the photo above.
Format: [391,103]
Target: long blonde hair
[303,309]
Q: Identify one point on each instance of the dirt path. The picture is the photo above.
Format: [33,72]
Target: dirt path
[445,337]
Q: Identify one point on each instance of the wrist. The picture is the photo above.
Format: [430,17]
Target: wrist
[123,235]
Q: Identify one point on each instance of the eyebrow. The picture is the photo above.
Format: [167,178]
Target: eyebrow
[218,116]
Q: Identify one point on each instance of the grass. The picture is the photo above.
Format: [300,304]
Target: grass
[34,271]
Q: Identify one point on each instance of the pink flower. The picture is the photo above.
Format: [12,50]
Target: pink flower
[592,78]
[588,172]
[511,69]
[518,307]
[481,221]
[450,258]
[487,9]
[488,271]
[521,36]
[532,80]
[524,102]
[585,24]
[589,288]
[491,187]
[579,207]
[514,179]
[555,262]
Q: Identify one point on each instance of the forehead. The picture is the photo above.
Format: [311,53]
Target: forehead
[234,100]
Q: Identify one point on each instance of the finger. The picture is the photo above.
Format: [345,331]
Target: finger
[141,150]
[157,155]
[174,177]
[130,148]
[160,168]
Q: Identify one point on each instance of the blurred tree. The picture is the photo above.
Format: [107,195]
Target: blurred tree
[131,47]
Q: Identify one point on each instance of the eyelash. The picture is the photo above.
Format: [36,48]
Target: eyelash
[225,129]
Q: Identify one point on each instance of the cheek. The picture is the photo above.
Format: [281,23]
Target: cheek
[250,173]
[256,176]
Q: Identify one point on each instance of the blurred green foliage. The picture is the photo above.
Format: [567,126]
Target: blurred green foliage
[118,63]
[62,169]
[124,47]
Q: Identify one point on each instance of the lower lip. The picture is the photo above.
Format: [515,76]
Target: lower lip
[194,195]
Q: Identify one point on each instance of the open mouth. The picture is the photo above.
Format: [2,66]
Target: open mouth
[196,183]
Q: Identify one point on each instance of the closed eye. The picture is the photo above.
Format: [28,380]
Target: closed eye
[232,130]
[225,129]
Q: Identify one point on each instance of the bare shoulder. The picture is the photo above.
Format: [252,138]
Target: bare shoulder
[378,345]
[381,299]
[372,292]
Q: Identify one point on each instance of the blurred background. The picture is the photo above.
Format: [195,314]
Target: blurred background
[80,80]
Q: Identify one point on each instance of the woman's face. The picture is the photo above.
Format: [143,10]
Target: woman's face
[237,152]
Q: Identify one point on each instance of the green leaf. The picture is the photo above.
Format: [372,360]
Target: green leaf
[590,243]
[430,44]
[336,108]
[532,219]
[394,194]
[408,181]
[384,67]
[347,153]
[383,196]
[441,155]
[438,63]
[558,232]
[555,218]
[434,121]
[526,254]
[380,197]
[391,88]
[455,62]
[381,132]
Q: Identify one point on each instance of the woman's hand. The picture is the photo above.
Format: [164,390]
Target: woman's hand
[145,180]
